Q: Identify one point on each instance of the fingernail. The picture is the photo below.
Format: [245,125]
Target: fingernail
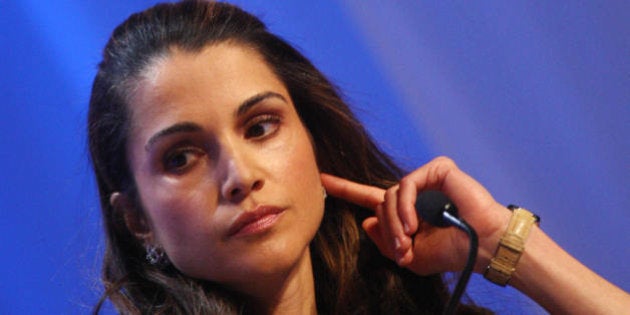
[406,228]
[397,243]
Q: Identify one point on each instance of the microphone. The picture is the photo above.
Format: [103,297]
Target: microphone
[438,210]
[434,207]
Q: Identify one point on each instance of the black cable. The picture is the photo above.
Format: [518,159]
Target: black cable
[453,302]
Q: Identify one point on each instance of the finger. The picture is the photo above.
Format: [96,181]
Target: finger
[407,194]
[433,175]
[362,195]
[443,174]
[372,228]
[390,220]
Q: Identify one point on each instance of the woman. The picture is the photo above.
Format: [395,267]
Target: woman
[214,143]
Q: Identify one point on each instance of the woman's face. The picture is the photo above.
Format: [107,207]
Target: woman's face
[225,169]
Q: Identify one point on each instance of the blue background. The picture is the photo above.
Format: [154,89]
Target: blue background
[530,97]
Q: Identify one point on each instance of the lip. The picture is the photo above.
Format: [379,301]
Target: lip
[255,221]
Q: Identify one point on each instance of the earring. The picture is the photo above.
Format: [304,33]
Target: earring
[325,194]
[155,255]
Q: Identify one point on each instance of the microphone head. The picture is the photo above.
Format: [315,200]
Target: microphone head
[430,206]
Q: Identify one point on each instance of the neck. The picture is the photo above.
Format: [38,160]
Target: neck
[290,293]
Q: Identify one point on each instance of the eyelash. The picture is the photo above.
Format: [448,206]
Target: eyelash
[189,152]
[186,152]
[274,120]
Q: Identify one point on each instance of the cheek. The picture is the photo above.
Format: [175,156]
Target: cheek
[181,217]
[302,179]
[298,176]
[294,159]
[293,167]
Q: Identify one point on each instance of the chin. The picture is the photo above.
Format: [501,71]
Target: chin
[278,256]
[273,257]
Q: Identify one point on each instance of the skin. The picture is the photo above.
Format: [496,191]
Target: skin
[214,135]
[545,272]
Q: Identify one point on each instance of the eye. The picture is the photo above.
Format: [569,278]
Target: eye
[181,159]
[262,126]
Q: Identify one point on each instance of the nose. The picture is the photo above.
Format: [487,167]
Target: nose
[241,176]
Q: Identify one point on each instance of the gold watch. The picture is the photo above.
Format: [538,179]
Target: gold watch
[511,246]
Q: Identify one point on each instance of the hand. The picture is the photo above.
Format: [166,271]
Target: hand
[403,237]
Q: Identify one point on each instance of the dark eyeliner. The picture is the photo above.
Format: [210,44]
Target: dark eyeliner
[261,119]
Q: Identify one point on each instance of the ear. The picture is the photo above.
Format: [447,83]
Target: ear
[135,220]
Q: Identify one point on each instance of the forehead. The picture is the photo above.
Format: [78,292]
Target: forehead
[215,67]
[217,77]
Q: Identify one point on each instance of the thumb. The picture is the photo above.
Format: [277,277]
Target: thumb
[373,230]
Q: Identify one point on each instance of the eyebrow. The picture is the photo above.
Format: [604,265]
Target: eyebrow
[187,126]
[182,127]
[250,102]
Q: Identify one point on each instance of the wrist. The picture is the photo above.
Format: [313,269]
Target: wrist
[490,236]
[511,245]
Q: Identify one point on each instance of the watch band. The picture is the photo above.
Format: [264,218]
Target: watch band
[511,246]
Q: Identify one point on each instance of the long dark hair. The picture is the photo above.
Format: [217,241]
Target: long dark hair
[351,276]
